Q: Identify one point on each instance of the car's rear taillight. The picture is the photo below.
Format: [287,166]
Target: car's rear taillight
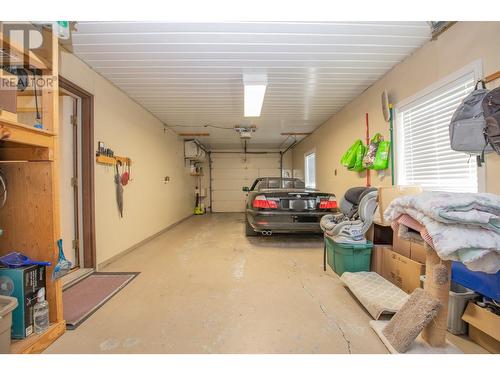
[260,201]
[328,204]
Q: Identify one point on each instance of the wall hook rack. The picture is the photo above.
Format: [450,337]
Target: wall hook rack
[492,77]
[113,160]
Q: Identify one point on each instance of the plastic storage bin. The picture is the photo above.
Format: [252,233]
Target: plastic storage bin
[457,302]
[346,257]
[7,305]
[483,283]
[459,297]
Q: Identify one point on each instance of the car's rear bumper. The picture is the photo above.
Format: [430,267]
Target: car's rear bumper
[285,222]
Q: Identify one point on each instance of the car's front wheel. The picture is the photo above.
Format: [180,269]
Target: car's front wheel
[249,230]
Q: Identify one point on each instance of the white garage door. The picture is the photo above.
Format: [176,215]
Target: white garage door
[230,172]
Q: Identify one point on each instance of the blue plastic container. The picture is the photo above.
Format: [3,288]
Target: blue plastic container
[483,283]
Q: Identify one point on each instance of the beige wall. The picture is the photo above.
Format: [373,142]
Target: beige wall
[462,44]
[150,205]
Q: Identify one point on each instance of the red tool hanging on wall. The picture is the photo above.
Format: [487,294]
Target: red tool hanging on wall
[368,177]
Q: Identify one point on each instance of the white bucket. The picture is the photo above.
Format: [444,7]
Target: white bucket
[7,305]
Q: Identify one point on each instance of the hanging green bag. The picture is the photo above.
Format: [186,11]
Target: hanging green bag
[360,153]
[382,157]
[349,157]
[371,151]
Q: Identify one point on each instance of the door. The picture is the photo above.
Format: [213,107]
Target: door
[70,170]
[230,172]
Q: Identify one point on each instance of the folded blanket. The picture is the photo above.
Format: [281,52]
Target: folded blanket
[464,227]
[481,209]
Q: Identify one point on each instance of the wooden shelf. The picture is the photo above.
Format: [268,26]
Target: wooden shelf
[30,219]
[112,160]
[28,135]
[37,343]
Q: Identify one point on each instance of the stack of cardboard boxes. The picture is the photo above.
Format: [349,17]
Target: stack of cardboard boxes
[400,261]
[399,264]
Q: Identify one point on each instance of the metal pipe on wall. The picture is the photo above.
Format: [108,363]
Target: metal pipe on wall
[210,178]
[289,147]
[281,164]
[248,152]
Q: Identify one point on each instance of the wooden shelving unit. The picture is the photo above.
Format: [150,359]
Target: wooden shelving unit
[38,343]
[29,159]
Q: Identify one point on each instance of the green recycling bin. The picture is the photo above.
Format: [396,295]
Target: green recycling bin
[348,257]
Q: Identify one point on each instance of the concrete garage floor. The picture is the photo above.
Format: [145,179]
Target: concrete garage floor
[205,288]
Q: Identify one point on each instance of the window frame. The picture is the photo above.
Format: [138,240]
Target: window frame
[475,68]
[306,155]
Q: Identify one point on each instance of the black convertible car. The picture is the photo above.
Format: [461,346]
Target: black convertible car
[285,205]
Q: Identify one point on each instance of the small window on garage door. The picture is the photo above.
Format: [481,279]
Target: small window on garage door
[310,170]
[424,155]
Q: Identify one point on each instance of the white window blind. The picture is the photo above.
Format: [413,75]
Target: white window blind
[310,170]
[425,157]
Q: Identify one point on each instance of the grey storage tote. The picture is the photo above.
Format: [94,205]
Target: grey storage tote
[459,296]
[7,305]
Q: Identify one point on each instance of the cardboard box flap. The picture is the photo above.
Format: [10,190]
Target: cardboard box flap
[387,194]
[483,320]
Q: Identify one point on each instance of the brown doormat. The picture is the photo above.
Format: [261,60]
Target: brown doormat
[85,297]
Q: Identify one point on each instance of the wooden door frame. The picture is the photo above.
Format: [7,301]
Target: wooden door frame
[87,184]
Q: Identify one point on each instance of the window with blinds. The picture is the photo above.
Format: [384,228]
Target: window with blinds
[310,170]
[425,157]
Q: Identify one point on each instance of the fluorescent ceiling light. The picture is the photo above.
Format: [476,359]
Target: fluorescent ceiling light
[255,89]
[254,98]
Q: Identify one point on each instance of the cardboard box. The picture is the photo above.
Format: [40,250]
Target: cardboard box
[409,248]
[387,194]
[418,252]
[401,246]
[485,341]
[401,271]
[484,327]
[378,258]
[22,283]
[380,234]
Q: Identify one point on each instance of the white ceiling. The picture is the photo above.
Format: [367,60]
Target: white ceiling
[190,74]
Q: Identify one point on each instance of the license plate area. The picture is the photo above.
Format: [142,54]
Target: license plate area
[305,219]
[300,204]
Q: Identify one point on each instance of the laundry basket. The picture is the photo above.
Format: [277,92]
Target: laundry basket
[7,305]
[348,257]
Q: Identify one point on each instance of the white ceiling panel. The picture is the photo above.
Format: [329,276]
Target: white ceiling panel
[190,75]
